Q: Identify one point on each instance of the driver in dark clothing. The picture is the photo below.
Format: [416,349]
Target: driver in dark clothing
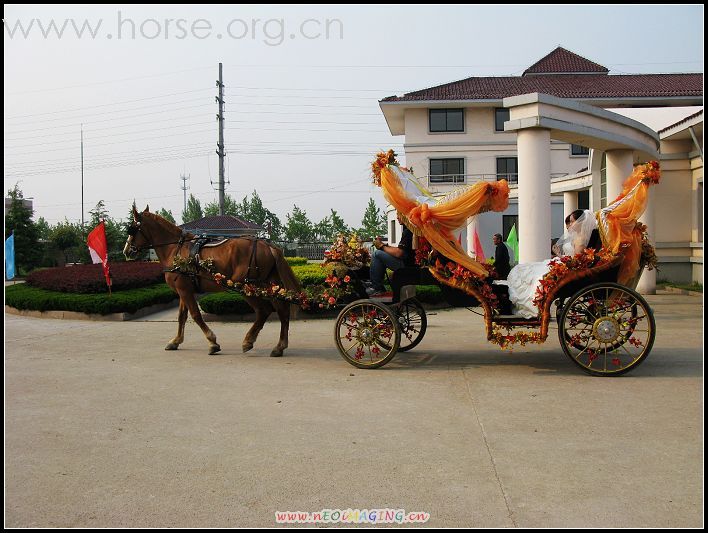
[392,257]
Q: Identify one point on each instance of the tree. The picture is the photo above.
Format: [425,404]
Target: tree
[254,211]
[323,229]
[374,222]
[18,220]
[298,227]
[65,237]
[44,230]
[231,207]
[338,225]
[330,227]
[167,215]
[193,211]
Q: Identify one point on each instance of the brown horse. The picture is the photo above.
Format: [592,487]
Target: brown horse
[237,259]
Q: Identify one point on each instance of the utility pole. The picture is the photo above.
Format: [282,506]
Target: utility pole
[82,176]
[184,188]
[220,147]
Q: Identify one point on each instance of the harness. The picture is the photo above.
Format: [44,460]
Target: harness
[198,243]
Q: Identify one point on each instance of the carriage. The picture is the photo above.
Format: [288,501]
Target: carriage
[604,326]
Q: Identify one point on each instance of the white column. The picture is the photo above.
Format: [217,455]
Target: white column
[534,152]
[570,202]
[619,167]
[647,283]
[471,225]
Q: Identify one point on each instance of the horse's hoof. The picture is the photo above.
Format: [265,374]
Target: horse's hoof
[276,353]
[172,346]
[247,346]
[214,349]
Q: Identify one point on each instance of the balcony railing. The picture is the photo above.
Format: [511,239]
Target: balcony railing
[469,179]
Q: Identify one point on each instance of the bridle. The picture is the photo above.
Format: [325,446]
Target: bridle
[133,230]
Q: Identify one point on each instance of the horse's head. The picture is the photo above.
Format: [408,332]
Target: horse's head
[137,239]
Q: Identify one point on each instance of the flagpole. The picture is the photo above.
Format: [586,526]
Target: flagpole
[82,177]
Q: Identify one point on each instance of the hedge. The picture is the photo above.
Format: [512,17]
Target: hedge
[224,303]
[296,261]
[90,279]
[25,297]
[310,274]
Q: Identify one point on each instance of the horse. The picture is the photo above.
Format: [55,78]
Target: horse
[238,259]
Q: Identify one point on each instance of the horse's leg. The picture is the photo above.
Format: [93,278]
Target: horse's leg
[263,310]
[283,309]
[191,301]
[181,319]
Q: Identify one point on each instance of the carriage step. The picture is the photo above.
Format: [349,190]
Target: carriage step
[516,320]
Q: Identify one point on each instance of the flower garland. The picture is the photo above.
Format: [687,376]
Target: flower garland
[314,297]
[382,160]
[507,342]
[651,172]
[560,267]
[648,257]
[193,264]
[457,274]
[349,251]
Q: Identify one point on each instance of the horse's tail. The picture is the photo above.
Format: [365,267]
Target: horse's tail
[286,274]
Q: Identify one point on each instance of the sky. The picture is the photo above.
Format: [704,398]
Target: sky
[302,86]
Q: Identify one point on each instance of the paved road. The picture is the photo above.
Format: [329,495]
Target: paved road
[104,428]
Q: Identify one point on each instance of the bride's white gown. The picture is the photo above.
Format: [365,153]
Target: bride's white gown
[524,278]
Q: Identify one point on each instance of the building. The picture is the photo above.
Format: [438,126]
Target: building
[468,130]
[222,226]
[26,202]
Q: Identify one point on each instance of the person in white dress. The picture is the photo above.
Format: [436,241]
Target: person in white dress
[524,278]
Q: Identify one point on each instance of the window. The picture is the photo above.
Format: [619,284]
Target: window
[446,120]
[584,199]
[576,149]
[508,222]
[393,231]
[447,170]
[507,169]
[501,115]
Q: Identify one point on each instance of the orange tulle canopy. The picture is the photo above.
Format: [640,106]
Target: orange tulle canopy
[618,223]
[437,222]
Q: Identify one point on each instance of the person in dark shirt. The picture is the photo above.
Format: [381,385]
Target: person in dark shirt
[501,257]
[392,257]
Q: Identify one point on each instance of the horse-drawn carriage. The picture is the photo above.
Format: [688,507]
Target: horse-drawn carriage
[604,326]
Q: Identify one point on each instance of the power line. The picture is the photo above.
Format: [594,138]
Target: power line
[108,104]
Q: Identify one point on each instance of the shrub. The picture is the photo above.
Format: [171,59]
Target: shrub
[310,274]
[296,261]
[90,279]
[224,303]
[25,297]
[429,294]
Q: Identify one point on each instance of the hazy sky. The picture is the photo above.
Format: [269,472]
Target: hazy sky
[302,119]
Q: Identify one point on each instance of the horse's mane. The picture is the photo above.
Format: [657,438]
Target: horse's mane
[164,223]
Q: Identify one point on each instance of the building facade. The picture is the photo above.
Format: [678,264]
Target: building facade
[460,133]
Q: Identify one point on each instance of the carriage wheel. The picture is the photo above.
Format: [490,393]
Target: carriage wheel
[366,334]
[412,323]
[607,329]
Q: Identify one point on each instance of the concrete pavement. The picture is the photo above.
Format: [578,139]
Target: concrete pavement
[105,428]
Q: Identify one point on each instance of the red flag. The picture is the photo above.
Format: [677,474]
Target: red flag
[478,250]
[98,248]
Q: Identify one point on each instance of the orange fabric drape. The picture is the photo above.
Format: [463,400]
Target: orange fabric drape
[617,222]
[436,223]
